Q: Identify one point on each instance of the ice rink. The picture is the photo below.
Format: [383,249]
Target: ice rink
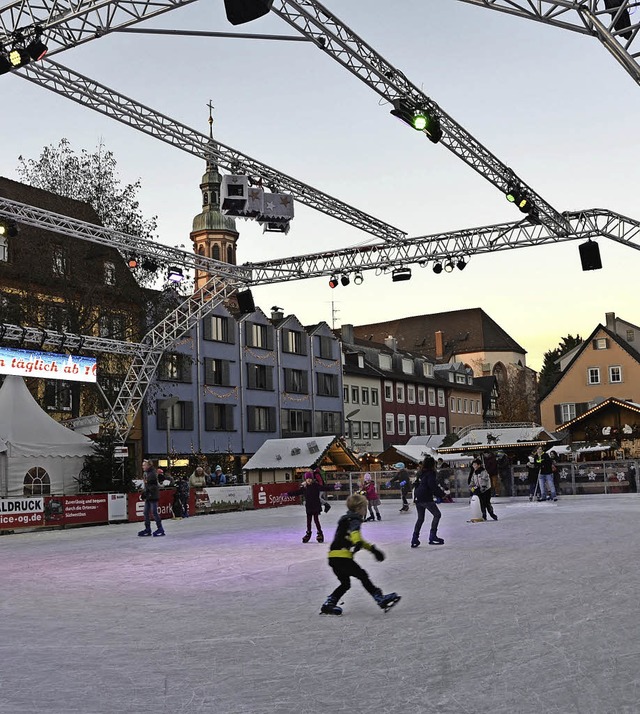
[537,612]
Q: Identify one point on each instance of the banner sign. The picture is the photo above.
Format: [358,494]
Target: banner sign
[47,365]
[165,505]
[27,511]
[272,495]
[220,498]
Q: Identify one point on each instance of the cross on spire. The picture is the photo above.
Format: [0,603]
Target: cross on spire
[211,108]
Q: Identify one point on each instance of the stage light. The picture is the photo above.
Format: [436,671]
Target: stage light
[241,11]
[344,279]
[461,264]
[37,49]
[437,268]
[449,266]
[5,65]
[175,275]
[8,229]
[358,279]
[521,200]
[132,262]
[19,57]
[333,282]
[419,120]
[401,274]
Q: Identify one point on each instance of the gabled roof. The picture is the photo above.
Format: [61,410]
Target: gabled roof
[464,331]
[500,438]
[611,401]
[300,453]
[581,348]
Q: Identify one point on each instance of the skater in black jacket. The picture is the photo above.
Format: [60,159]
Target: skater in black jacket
[310,489]
[403,479]
[425,490]
[347,541]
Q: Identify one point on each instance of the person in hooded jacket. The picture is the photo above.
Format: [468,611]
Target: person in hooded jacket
[403,479]
[480,483]
[426,489]
[311,489]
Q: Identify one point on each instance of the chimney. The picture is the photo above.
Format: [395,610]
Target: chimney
[391,343]
[439,345]
[277,313]
[610,319]
[346,334]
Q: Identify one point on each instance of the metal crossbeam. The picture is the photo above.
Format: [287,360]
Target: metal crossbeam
[85,91]
[342,44]
[616,23]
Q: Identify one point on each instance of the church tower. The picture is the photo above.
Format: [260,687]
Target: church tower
[214,235]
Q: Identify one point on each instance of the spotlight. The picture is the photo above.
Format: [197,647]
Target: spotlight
[175,275]
[132,262]
[449,266]
[333,282]
[358,279]
[241,11]
[8,229]
[514,195]
[419,120]
[437,268]
[401,274]
[344,279]
[37,49]
[19,57]
[461,264]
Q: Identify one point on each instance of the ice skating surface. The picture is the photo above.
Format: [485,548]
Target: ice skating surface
[535,613]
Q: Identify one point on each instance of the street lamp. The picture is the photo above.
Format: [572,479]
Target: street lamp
[348,418]
[167,405]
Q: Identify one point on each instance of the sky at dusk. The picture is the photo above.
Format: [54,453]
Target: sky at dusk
[551,104]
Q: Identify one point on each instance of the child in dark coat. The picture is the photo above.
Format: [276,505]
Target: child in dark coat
[311,489]
[347,541]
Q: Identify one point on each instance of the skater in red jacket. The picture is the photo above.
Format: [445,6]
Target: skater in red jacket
[373,500]
[311,489]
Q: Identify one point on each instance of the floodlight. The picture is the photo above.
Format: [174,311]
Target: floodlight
[175,275]
[419,120]
[8,229]
[437,268]
[19,57]
[449,266]
[37,49]
[344,279]
[401,274]
[333,282]
[521,200]
[358,279]
[461,264]
[132,262]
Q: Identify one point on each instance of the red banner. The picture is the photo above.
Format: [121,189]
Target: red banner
[135,505]
[273,495]
[87,508]
[22,512]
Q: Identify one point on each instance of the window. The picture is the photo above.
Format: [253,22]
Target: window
[57,395]
[326,347]
[259,336]
[217,372]
[465,406]
[413,427]
[472,405]
[375,430]
[400,392]
[328,423]
[388,392]
[615,375]
[60,264]
[355,430]
[259,376]
[568,412]
[593,375]
[433,425]
[402,424]
[384,361]
[427,369]
[217,329]
[478,410]
[218,417]
[295,421]
[389,424]
[601,343]
[55,317]
[3,249]
[366,429]
[365,395]
[423,425]
[459,406]
[261,419]
[630,333]
[422,395]
[411,394]
[296,381]
[407,365]
[452,405]
[36,482]
[345,395]
[374,397]
[112,326]
[175,368]
[109,273]
[327,384]
[355,395]
[180,416]
[432,397]
[293,341]
[442,422]
[441,398]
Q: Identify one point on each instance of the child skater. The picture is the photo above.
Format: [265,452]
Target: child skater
[310,489]
[347,541]
[373,500]
[480,483]
[320,479]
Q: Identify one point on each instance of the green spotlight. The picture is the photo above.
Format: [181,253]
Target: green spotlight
[419,121]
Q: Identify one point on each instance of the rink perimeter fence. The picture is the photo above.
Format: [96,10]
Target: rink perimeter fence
[61,511]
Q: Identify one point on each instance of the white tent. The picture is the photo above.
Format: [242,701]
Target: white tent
[35,450]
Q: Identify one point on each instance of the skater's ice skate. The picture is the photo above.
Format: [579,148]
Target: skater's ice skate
[386,602]
[330,608]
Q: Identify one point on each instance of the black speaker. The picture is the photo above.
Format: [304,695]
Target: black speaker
[245,302]
[241,11]
[590,256]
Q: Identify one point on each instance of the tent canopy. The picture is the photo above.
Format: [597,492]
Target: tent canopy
[27,430]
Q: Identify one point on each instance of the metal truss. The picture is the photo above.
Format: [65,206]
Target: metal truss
[85,91]
[339,42]
[452,245]
[125,243]
[616,23]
